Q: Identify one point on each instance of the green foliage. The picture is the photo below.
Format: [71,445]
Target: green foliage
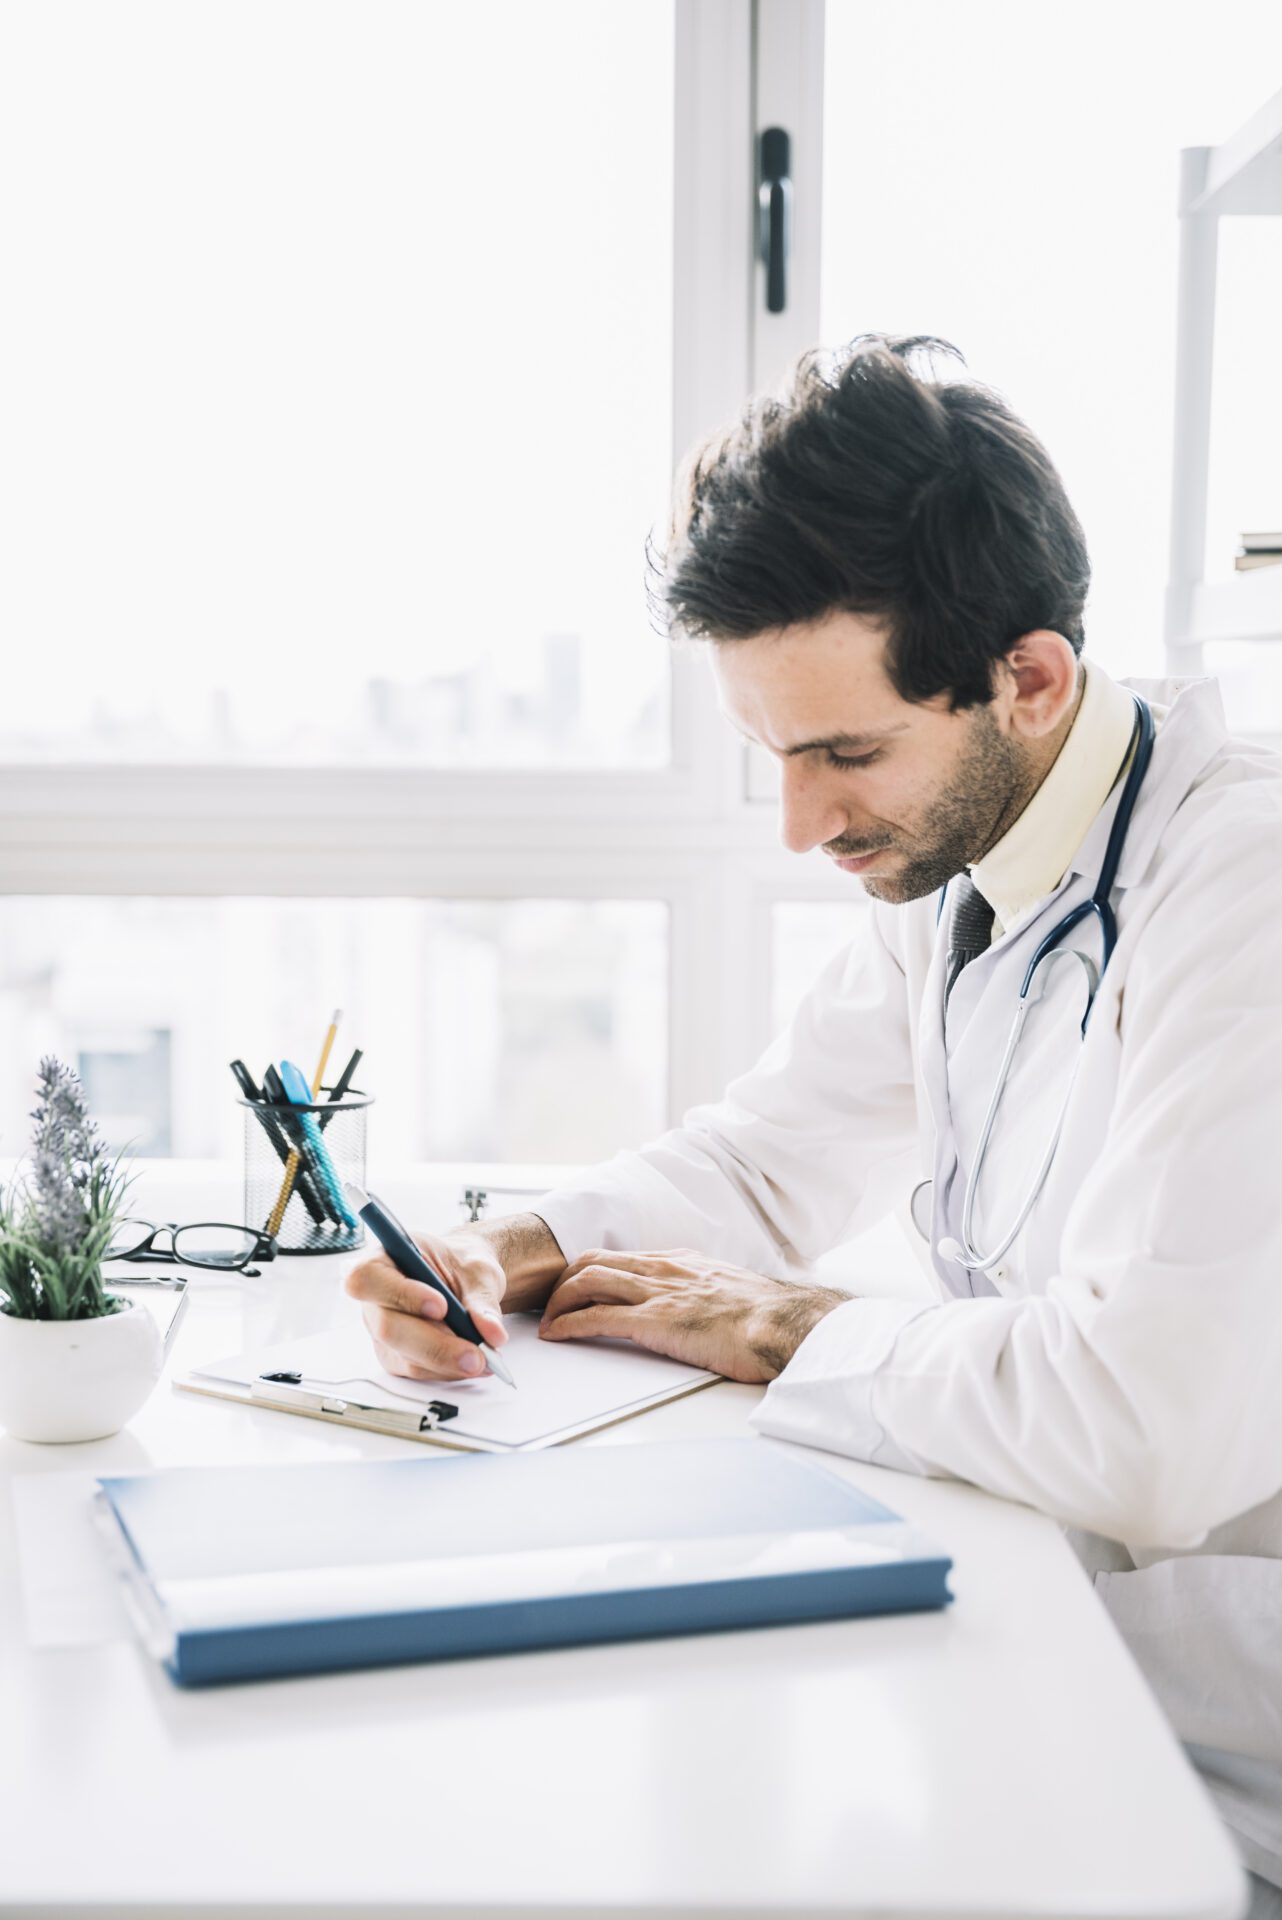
[60,1215]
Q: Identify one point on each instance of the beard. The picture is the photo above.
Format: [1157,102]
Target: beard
[992,783]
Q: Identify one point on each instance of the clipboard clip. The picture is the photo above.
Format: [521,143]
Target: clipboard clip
[288,1391]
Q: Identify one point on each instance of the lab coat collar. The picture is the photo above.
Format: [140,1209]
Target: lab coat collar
[1190,732]
[1037,849]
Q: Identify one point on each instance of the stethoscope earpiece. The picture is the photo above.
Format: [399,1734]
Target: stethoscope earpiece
[951,1250]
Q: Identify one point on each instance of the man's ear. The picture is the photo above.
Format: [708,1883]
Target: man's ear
[1039,683]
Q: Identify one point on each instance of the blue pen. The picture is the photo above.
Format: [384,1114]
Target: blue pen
[300,1094]
[408,1258]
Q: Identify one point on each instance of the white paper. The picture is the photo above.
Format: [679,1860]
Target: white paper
[562,1387]
[70,1594]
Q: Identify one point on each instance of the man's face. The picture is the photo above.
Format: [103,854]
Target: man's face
[904,795]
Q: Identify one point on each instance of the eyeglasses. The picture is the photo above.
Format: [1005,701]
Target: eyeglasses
[209,1243]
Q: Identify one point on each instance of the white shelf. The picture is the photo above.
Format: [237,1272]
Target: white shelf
[1247,607]
[1244,174]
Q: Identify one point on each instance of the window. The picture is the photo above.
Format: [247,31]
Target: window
[352,354]
[337,398]
[529,1030]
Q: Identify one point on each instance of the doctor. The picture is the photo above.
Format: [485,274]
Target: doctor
[893,582]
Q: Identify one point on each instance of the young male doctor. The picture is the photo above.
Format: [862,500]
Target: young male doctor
[892,582]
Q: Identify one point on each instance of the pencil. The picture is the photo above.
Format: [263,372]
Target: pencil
[328,1047]
[292,1164]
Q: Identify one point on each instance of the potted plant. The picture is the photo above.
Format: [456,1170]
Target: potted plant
[76,1361]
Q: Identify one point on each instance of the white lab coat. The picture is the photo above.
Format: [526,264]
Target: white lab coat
[1124,1371]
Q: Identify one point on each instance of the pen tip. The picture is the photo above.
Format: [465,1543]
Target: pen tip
[356,1197]
[336,1016]
[498,1367]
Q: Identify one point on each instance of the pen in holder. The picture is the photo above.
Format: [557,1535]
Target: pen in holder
[325,1141]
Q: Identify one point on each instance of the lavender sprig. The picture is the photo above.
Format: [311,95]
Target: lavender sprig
[68,1158]
[56,1226]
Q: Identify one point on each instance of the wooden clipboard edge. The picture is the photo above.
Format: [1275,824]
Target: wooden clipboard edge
[243,1396]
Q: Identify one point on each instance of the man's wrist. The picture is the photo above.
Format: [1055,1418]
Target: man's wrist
[779,1328]
[526,1250]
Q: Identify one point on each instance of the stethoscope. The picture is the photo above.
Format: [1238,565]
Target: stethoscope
[1049,954]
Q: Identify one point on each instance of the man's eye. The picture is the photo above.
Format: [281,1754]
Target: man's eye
[857,760]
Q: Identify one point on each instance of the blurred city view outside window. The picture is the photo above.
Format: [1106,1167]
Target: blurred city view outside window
[338,396]
[517,1030]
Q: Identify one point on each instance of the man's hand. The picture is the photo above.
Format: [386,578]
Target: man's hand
[689,1307]
[403,1316]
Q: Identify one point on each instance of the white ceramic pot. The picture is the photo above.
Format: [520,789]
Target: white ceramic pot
[77,1379]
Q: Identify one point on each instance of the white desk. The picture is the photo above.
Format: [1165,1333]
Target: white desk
[1000,1759]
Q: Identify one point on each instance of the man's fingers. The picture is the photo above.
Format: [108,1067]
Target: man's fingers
[399,1365]
[493,1332]
[603,1285]
[404,1315]
[596,1323]
[415,1351]
[621,1262]
[378,1280]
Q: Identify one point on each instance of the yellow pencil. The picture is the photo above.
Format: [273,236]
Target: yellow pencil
[319,1076]
[295,1159]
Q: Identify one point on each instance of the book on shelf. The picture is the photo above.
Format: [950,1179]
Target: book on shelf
[1257,550]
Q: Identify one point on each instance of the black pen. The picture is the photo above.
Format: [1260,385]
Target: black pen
[340,1086]
[409,1259]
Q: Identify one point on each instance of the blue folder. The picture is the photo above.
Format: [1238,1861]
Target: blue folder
[238,1573]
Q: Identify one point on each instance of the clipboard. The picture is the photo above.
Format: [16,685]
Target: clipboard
[564,1389]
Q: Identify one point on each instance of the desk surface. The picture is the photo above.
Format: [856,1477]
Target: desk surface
[1000,1759]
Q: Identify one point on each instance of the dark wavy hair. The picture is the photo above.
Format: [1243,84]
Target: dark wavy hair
[872,485]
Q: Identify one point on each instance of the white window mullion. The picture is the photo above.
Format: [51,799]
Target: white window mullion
[788,89]
[713,291]
[711,990]
[787,92]
[721,984]
[712,313]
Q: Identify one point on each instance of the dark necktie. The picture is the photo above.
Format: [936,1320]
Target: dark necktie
[970,928]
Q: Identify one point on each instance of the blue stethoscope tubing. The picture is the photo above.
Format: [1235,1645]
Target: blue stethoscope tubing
[1049,950]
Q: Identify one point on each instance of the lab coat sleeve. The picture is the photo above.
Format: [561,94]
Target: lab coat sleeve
[1137,1397]
[770,1177]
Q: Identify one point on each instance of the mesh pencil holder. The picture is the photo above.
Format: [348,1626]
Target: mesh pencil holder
[315,1149]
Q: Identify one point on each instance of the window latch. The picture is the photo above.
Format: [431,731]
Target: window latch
[774,212]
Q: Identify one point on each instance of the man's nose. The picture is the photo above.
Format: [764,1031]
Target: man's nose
[810,813]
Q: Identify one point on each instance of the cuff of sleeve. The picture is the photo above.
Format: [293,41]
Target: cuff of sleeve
[600,1209]
[826,1395]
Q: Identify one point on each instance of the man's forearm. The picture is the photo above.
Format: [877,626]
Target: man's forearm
[528,1254]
